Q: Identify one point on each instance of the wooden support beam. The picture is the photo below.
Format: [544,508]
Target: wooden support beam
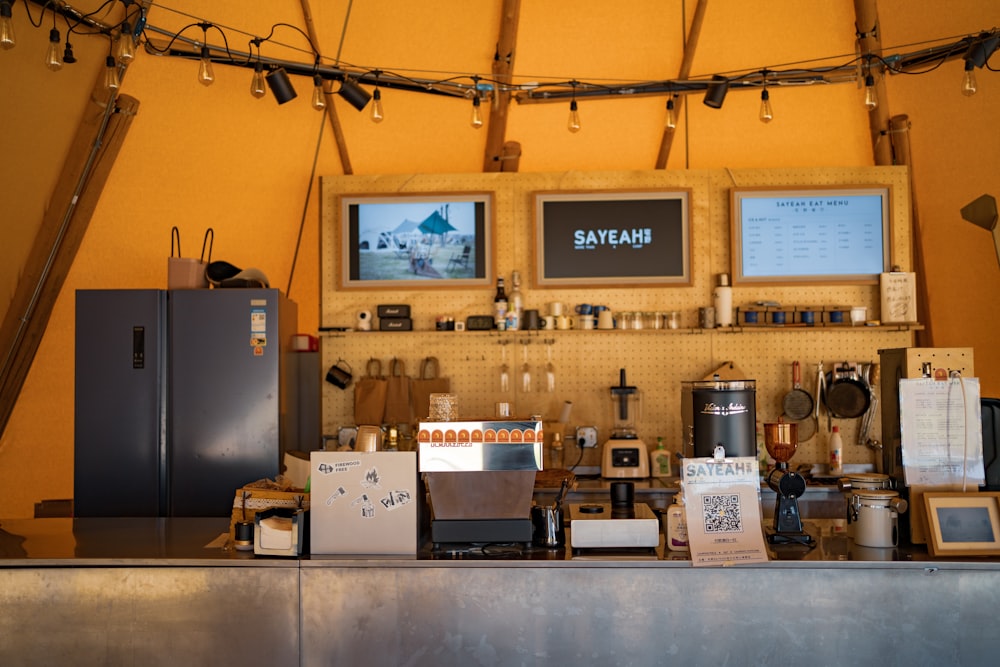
[78,190]
[867,26]
[331,111]
[899,134]
[690,46]
[496,157]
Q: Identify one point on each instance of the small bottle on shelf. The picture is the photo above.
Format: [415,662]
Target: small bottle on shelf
[500,306]
[722,298]
[659,460]
[677,532]
[515,302]
[836,452]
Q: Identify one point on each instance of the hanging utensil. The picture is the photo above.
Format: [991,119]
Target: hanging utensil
[550,369]
[846,397]
[504,370]
[798,403]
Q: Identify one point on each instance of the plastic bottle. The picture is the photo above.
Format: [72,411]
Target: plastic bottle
[515,302]
[677,530]
[500,306]
[836,452]
[722,297]
[659,461]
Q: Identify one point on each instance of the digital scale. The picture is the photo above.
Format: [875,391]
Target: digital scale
[602,526]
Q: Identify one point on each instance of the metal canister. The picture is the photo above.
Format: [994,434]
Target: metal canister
[861,481]
[706,317]
[876,513]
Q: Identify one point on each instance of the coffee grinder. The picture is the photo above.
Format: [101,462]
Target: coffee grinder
[625,455]
[781,440]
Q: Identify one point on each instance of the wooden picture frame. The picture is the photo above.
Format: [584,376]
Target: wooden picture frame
[612,238]
[963,524]
[810,235]
[422,240]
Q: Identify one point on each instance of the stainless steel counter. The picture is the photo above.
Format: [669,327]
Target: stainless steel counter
[150,592]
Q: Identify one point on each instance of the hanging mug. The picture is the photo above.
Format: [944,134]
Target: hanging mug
[340,374]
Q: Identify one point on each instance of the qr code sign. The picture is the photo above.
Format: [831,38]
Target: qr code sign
[721,513]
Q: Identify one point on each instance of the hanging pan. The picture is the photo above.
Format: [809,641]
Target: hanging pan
[847,396]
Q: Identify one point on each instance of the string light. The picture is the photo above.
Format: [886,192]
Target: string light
[125,45]
[766,113]
[671,114]
[7,40]
[477,114]
[257,83]
[206,74]
[573,124]
[377,115]
[318,99]
[871,97]
[52,59]
[969,85]
[111,80]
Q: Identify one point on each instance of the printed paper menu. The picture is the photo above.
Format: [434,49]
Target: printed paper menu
[722,509]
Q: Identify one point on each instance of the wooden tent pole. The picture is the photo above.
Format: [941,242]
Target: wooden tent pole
[91,156]
[690,46]
[867,27]
[331,111]
[899,133]
[500,156]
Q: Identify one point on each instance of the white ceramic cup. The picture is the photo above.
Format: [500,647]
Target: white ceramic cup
[859,314]
[564,322]
[584,321]
[555,308]
[605,320]
[549,322]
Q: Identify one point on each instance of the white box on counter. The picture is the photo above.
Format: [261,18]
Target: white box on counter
[364,503]
[466,446]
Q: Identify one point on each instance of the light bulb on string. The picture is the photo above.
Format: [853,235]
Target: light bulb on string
[377,115]
[871,97]
[111,80]
[477,114]
[766,113]
[52,58]
[573,124]
[125,46]
[671,114]
[969,86]
[258,87]
[318,99]
[68,57]
[7,39]
[206,74]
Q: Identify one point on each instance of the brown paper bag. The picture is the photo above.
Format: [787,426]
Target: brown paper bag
[369,395]
[188,272]
[397,396]
[424,385]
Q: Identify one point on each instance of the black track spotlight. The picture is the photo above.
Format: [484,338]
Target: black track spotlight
[355,95]
[715,94]
[280,85]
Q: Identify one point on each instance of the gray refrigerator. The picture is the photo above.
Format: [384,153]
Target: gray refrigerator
[181,398]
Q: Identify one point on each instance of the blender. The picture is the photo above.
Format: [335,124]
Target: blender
[781,440]
[625,455]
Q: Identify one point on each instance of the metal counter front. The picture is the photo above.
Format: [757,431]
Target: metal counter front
[162,591]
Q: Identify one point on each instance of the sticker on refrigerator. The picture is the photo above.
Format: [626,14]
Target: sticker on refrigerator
[258,327]
[396,499]
[367,506]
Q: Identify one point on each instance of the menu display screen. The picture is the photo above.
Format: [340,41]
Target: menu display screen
[810,235]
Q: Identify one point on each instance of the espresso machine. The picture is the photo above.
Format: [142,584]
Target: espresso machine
[625,455]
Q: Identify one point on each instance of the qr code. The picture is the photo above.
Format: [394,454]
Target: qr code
[721,513]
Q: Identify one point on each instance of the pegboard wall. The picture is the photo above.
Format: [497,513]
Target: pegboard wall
[586,364]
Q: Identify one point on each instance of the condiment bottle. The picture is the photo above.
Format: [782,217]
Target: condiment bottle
[836,452]
[515,302]
[677,531]
[659,461]
[723,301]
[500,306]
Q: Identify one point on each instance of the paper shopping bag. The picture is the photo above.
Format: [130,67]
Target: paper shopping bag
[397,396]
[369,395]
[424,385]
